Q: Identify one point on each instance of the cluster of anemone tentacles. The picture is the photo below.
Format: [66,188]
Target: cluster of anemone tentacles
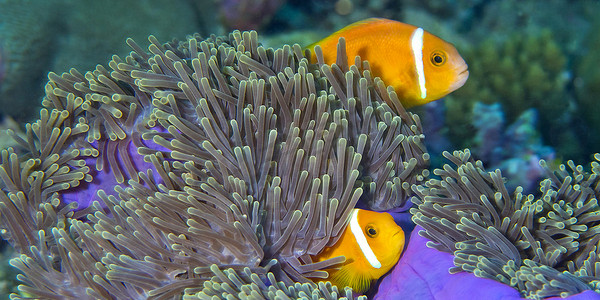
[221,167]
[546,245]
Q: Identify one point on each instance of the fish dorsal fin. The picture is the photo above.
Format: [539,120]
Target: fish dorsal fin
[363,22]
[348,27]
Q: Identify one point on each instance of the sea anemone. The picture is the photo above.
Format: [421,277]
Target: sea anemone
[218,165]
[543,246]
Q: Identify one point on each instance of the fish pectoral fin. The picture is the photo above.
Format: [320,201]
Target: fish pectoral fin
[360,283]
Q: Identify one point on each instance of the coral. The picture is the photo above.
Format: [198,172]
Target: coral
[232,163]
[26,30]
[587,89]
[83,43]
[488,121]
[542,246]
[522,72]
[435,129]
[39,36]
[515,149]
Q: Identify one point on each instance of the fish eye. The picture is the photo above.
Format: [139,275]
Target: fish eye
[371,231]
[438,58]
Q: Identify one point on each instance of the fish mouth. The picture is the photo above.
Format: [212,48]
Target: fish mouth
[461,78]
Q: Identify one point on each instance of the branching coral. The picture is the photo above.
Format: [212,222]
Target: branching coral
[232,163]
[544,246]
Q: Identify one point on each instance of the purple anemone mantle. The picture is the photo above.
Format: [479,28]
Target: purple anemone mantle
[422,273]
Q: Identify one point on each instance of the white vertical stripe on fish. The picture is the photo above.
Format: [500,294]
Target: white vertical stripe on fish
[361,239]
[416,42]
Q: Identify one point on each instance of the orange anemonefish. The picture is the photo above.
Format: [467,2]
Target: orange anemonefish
[420,66]
[372,243]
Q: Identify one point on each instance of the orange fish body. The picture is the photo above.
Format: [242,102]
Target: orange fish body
[372,243]
[420,66]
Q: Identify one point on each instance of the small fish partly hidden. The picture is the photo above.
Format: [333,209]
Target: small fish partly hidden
[420,66]
[372,243]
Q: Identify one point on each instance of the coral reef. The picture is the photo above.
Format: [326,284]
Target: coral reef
[587,89]
[232,163]
[542,246]
[525,71]
[515,149]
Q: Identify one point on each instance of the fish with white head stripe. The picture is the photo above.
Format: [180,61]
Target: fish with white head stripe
[371,243]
